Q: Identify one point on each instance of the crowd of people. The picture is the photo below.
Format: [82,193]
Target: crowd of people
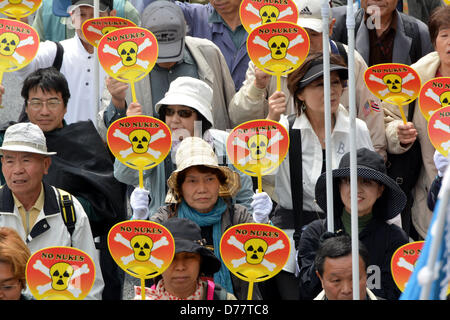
[202,85]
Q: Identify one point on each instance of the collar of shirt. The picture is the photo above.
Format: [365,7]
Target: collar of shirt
[28,222]
[341,125]
[238,36]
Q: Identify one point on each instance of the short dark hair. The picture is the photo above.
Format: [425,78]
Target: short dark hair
[439,18]
[47,79]
[293,80]
[336,247]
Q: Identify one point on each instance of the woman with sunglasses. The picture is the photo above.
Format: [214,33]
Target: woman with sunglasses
[14,255]
[186,109]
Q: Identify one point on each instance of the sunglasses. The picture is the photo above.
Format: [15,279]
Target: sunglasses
[183,113]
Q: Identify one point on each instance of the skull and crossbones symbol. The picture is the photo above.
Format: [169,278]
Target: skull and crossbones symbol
[443,99]
[394,83]
[140,140]
[61,276]
[9,42]
[142,247]
[258,144]
[267,13]
[255,250]
[278,46]
[128,51]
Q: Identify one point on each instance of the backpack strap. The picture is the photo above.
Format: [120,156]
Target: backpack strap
[296,173]
[57,63]
[67,210]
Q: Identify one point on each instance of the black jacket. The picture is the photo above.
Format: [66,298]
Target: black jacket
[381,240]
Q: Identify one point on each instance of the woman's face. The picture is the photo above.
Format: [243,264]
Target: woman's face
[442,46]
[368,193]
[181,120]
[10,286]
[180,278]
[313,97]
[200,190]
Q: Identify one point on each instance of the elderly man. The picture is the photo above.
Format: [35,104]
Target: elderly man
[83,169]
[33,207]
[334,269]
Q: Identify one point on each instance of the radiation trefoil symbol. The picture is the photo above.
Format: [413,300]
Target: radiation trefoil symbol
[278,46]
[142,247]
[267,13]
[140,140]
[394,83]
[9,42]
[254,251]
[128,53]
[60,275]
[443,99]
[258,145]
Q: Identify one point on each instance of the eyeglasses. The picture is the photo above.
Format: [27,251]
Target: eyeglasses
[37,104]
[183,113]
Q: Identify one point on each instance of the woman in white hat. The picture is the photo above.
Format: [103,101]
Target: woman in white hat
[186,109]
[306,85]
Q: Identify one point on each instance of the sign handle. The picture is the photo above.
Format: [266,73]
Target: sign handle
[259,182]
[1,79]
[250,290]
[133,92]
[143,288]
[141,178]
[278,82]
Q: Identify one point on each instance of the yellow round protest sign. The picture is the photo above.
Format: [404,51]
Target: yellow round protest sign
[254,13]
[254,252]
[434,95]
[19,44]
[19,8]
[94,29]
[439,130]
[60,273]
[143,249]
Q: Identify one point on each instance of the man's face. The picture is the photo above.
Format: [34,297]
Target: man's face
[83,13]
[224,7]
[23,171]
[45,109]
[337,278]
[387,7]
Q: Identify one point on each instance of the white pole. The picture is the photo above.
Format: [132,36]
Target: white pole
[326,81]
[96,68]
[438,227]
[353,173]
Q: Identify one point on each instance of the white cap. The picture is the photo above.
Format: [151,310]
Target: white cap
[25,137]
[310,14]
[190,92]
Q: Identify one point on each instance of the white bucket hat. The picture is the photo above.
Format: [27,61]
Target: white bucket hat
[190,92]
[310,14]
[25,137]
[194,151]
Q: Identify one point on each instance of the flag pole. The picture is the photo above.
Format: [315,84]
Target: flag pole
[96,68]
[326,81]
[350,21]
[428,272]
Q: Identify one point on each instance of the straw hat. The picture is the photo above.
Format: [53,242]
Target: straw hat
[25,137]
[194,151]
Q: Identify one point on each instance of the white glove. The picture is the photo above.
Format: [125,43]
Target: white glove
[441,162]
[139,204]
[262,207]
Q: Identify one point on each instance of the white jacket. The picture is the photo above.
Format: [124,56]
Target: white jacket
[50,230]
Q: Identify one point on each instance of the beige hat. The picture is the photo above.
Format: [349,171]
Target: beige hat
[194,151]
[310,14]
[25,137]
